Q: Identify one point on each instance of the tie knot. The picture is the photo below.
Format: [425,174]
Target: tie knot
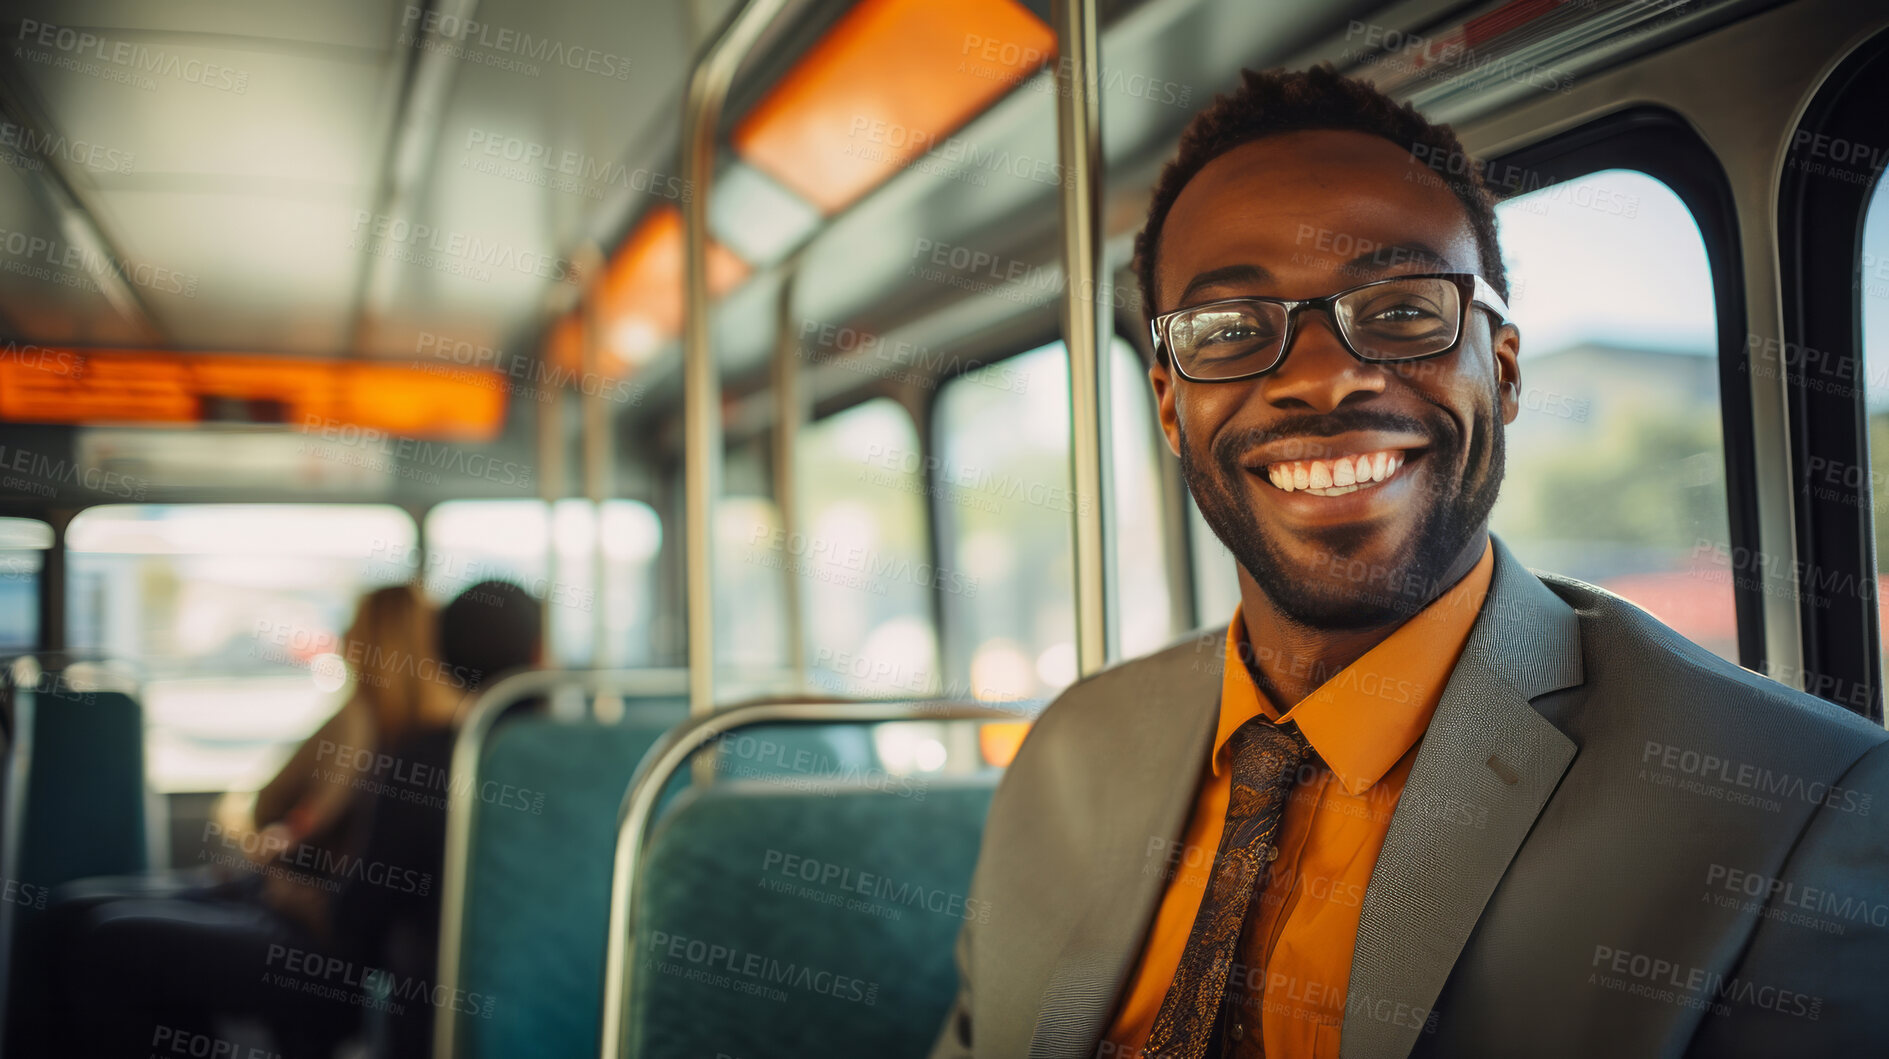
[1267,755]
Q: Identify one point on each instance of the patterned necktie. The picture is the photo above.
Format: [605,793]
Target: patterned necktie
[1266,760]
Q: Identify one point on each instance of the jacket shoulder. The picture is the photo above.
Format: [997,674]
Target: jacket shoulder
[1630,656]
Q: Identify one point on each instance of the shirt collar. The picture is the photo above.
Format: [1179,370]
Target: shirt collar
[1369,714]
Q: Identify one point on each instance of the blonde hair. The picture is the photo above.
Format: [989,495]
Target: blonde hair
[392,652]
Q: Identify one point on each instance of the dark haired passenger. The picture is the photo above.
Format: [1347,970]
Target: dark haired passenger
[1418,799]
[178,956]
[488,631]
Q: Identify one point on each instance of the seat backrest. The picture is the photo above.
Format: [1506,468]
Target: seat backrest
[537,904]
[794,919]
[84,811]
[75,791]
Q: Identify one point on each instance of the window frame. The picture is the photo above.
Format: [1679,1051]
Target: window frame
[1820,236]
[1177,560]
[1660,143]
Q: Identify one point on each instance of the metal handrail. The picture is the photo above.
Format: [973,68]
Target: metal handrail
[661,764]
[701,381]
[482,714]
[1079,147]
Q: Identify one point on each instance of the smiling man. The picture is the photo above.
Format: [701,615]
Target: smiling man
[1416,799]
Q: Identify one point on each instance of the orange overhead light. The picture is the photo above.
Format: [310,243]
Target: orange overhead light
[890,81]
[640,297]
[141,386]
[999,741]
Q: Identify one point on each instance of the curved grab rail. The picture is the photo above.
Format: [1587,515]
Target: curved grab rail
[481,714]
[668,755]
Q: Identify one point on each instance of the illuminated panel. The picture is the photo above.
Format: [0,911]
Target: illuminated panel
[123,386]
[640,297]
[999,742]
[892,79]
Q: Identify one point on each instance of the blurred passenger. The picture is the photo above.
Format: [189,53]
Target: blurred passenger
[489,630]
[186,953]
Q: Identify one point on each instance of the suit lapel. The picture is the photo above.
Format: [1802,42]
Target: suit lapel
[1150,743]
[1485,768]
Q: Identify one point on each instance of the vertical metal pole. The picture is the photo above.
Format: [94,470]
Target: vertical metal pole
[790,413]
[550,488]
[702,440]
[701,379]
[1085,319]
[597,463]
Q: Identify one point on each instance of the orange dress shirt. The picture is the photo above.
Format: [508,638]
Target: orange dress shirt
[1364,723]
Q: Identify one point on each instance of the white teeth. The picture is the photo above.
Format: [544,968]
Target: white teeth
[1335,477]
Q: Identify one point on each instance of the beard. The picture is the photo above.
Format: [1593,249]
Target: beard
[1394,590]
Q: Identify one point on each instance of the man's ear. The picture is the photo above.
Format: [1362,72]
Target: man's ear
[1508,370]
[1162,379]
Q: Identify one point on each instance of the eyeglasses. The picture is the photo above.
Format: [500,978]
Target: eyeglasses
[1386,321]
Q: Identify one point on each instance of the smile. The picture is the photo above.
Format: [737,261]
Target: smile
[1337,476]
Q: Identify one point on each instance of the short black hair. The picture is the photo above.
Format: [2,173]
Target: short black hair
[1279,101]
[489,629]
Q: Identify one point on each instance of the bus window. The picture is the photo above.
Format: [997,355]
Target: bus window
[228,610]
[1006,507]
[1873,289]
[867,577]
[552,550]
[23,542]
[1616,459]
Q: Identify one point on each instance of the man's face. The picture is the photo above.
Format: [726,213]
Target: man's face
[1302,215]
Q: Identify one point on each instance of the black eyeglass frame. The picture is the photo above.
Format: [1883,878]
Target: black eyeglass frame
[1475,292]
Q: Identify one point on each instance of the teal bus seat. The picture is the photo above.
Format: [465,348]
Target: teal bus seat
[537,904]
[84,811]
[75,791]
[786,920]
[796,751]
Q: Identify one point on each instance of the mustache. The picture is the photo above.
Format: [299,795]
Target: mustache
[1230,446]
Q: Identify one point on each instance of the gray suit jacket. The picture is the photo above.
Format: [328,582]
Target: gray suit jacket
[1611,843]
